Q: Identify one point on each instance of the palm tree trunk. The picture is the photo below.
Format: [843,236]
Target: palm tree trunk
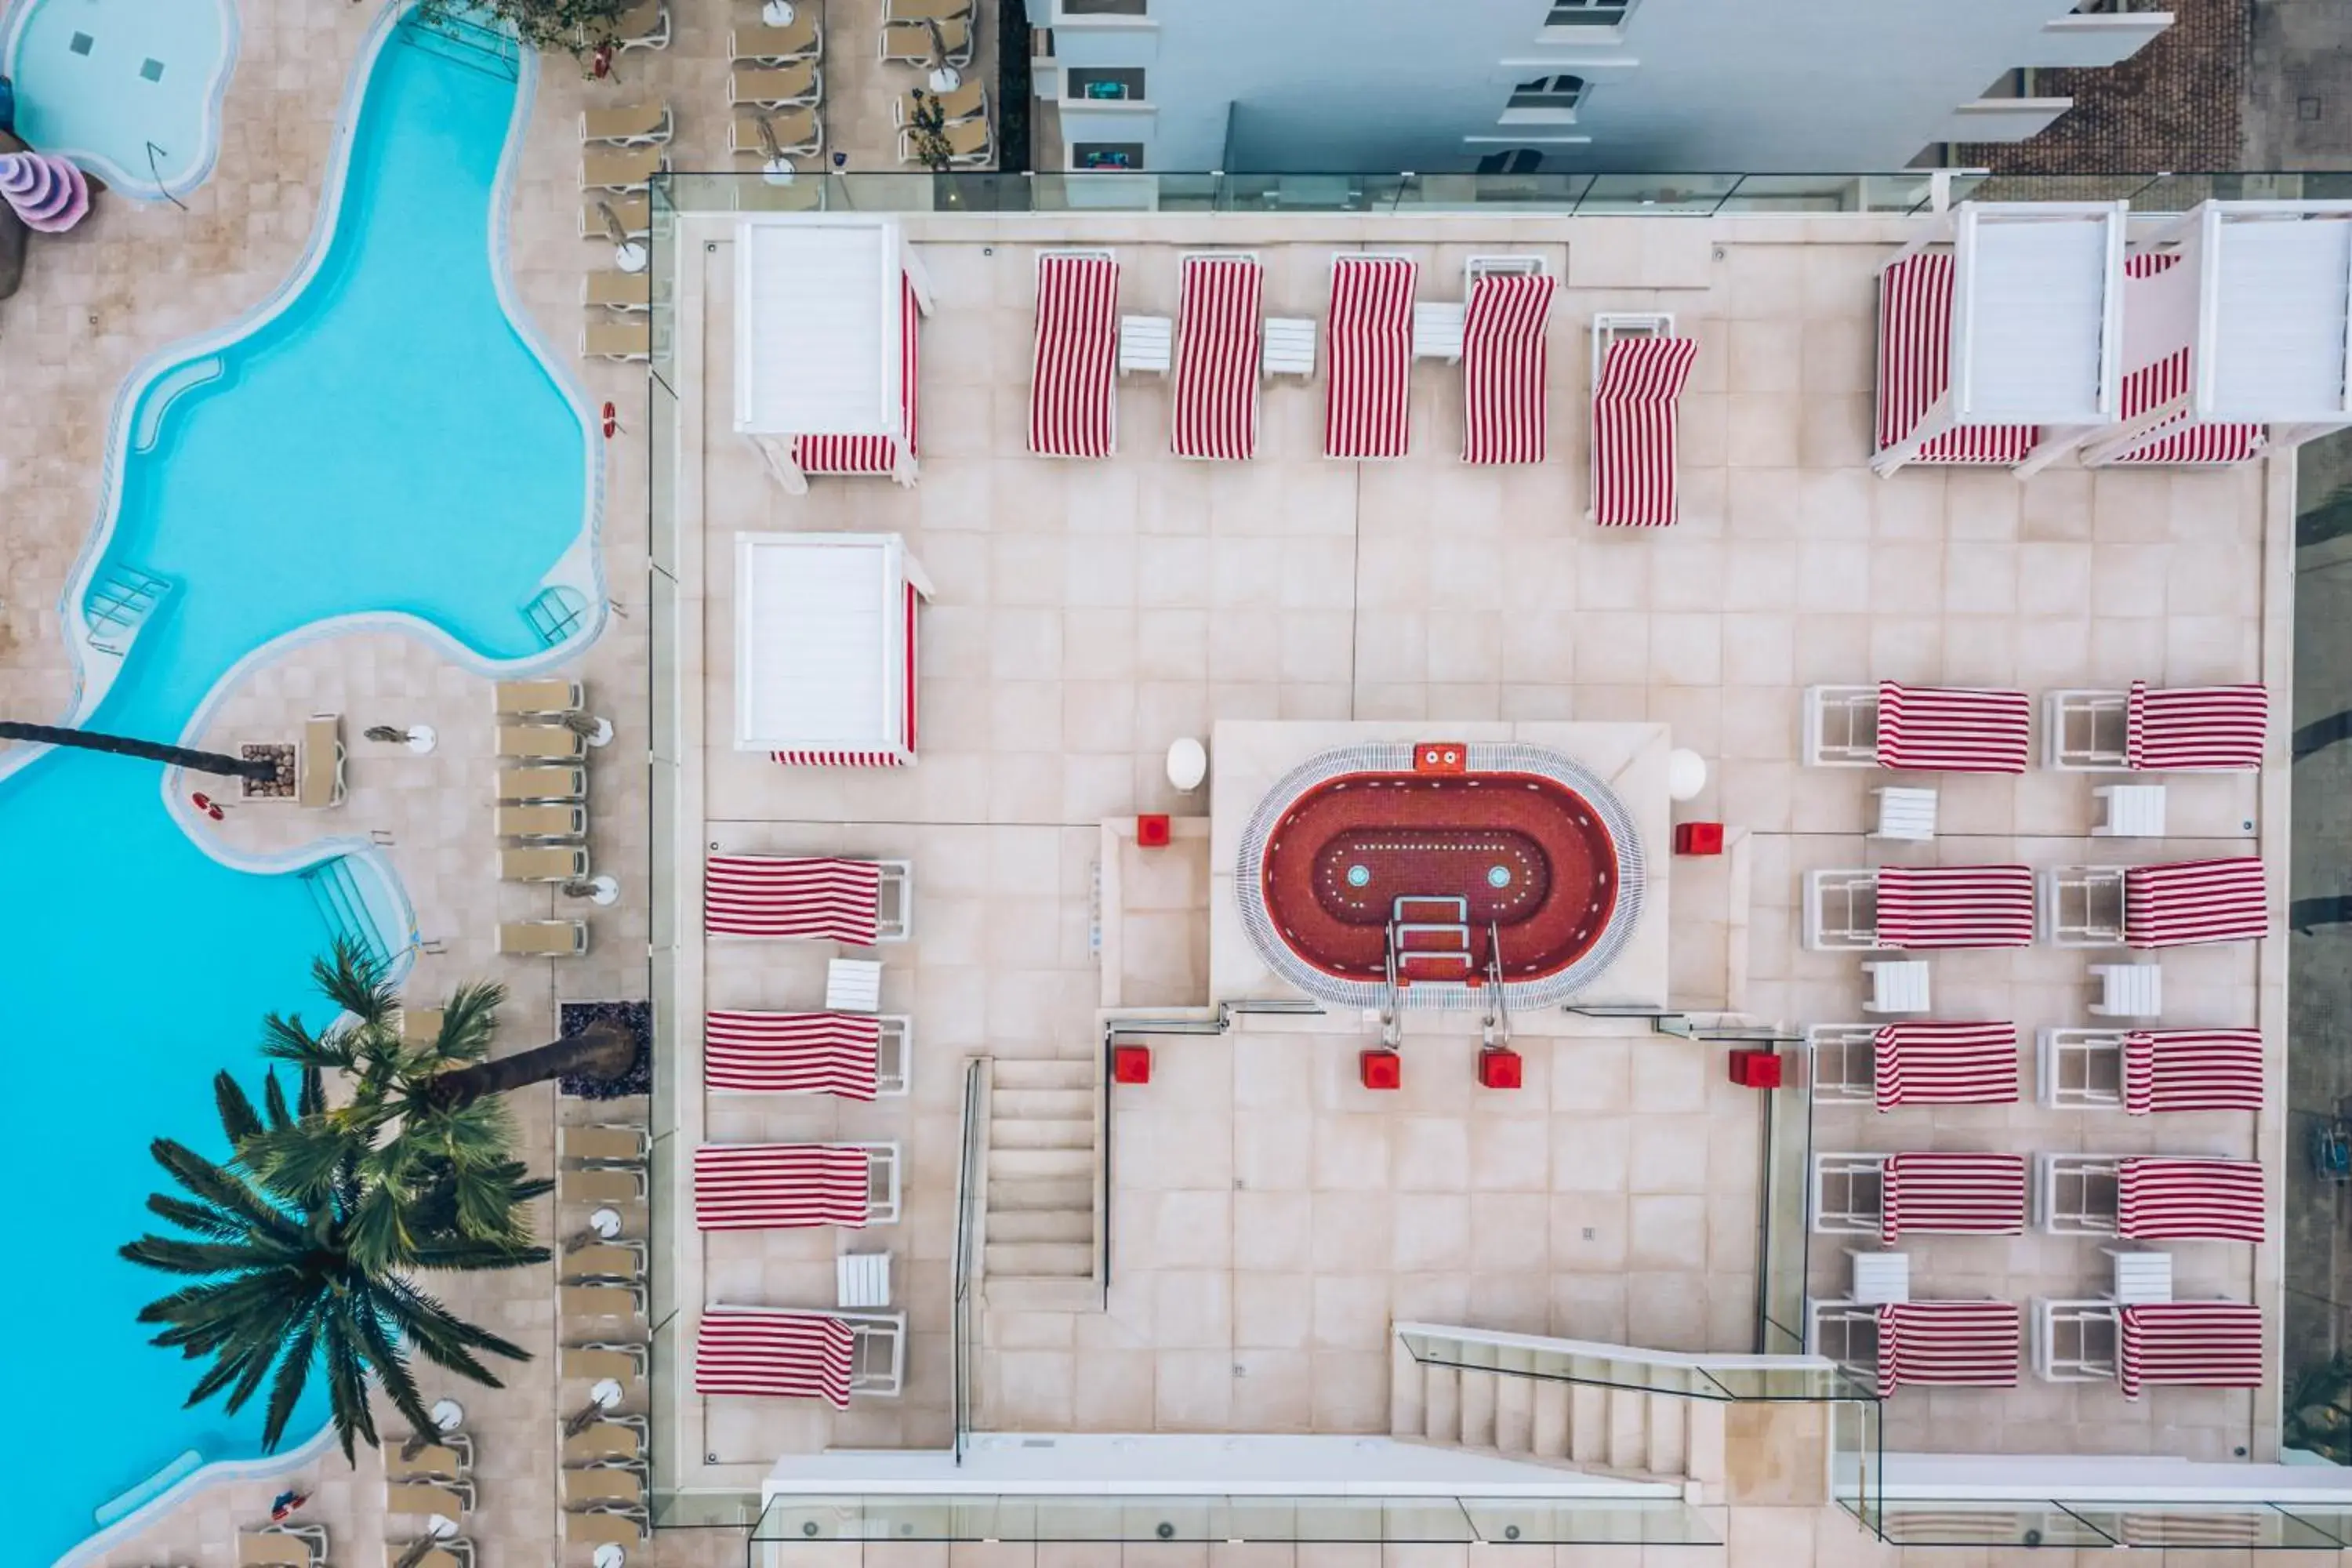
[261,768]
[601,1051]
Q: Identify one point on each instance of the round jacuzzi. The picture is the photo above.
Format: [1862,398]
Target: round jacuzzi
[1444,864]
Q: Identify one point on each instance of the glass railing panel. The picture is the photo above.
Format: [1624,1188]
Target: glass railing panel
[1941,1524]
[1694,194]
[1468,193]
[2209,1527]
[1857,1460]
[1592,1521]
[1803,194]
[705,1511]
[2332,1522]
[1333,1519]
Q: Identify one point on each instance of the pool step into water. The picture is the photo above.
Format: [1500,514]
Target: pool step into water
[1042,1221]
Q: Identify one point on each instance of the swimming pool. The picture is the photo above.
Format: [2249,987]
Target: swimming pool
[131,89]
[378,445]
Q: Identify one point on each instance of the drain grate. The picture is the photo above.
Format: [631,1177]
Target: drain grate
[82,43]
[152,70]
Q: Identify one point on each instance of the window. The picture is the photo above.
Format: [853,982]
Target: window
[1512,161]
[1587,13]
[1104,7]
[1552,92]
[1106,155]
[1103,84]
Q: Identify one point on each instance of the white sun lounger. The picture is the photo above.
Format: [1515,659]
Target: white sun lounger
[319,764]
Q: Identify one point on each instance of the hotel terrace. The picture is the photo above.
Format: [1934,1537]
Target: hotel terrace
[1333,878]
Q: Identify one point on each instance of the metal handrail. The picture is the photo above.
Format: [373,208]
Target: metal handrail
[967,1191]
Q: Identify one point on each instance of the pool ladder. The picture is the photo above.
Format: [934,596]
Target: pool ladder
[1495,1028]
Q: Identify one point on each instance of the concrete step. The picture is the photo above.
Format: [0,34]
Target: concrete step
[1014,1194]
[1040,1259]
[1588,1423]
[1071,1225]
[1035,1295]
[1515,1413]
[1004,1134]
[1405,1391]
[1441,1397]
[1548,1439]
[1049,1165]
[1667,1439]
[1629,1429]
[1042,1072]
[1478,1395]
[1041,1105]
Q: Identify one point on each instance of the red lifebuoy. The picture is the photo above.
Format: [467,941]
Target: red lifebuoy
[612,421]
[206,804]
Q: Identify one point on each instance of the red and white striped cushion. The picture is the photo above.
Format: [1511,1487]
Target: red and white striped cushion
[2200,1345]
[2189,1200]
[1953,1194]
[2178,440]
[791,1355]
[1953,729]
[1073,385]
[1635,449]
[2190,901]
[2192,1069]
[2196,727]
[1219,350]
[1506,369]
[1923,907]
[791,1053]
[779,1186]
[1915,368]
[1946,1064]
[1368,411]
[792,896]
[1948,1344]
[874,454]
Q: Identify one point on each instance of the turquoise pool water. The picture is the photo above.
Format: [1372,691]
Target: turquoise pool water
[131,89]
[380,443]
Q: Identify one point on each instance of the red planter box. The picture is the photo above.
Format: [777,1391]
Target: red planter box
[1130,1064]
[1698,839]
[1380,1070]
[1756,1069]
[1500,1069]
[1152,832]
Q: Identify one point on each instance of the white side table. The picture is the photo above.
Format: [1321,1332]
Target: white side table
[2128,990]
[1289,345]
[1437,330]
[1897,986]
[2140,1275]
[2132,811]
[863,1279]
[1880,1277]
[1146,344]
[1906,814]
[853,985]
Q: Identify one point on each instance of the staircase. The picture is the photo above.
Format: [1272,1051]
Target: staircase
[1431,939]
[1040,1227]
[1526,1398]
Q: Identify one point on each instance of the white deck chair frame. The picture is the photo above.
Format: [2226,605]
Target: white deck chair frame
[1841,726]
[894,1054]
[2074,1340]
[2075,1195]
[1846,1332]
[1844,1067]
[877,1352]
[1608,326]
[2082,906]
[1849,1194]
[1841,911]
[894,918]
[883,1165]
[2084,730]
[2081,1069]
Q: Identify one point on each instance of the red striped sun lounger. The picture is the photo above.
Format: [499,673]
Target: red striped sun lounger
[1952,1194]
[1915,368]
[1926,907]
[2178,440]
[1634,445]
[1953,729]
[793,896]
[2192,1069]
[874,454]
[2191,901]
[1948,1344]
[779,1186]
[1946,1064]
[1506,369]
[2200,1344]
[1073,390]
[789,1355]
[2195,728]
[2189,1200]
[1369,410]
[793,1053]
[1220,348]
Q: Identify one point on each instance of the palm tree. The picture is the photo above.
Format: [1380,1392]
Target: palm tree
[261,768]
[424,1124]
[278,1289]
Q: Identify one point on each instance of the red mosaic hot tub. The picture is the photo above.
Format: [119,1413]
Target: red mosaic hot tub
[1440,858]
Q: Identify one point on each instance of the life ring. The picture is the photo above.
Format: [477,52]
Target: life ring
[206,804]
[612,421]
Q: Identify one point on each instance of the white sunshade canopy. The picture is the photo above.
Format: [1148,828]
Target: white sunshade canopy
[2037,312]
[822,641]
[817,324]
[2274,311]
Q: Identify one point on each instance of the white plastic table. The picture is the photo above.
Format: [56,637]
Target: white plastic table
[1897,986]
[1880,1277]
[853,985]
[1906,814]
[863,1279]
[2140,1275]
[2128,990]
[2133,811]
